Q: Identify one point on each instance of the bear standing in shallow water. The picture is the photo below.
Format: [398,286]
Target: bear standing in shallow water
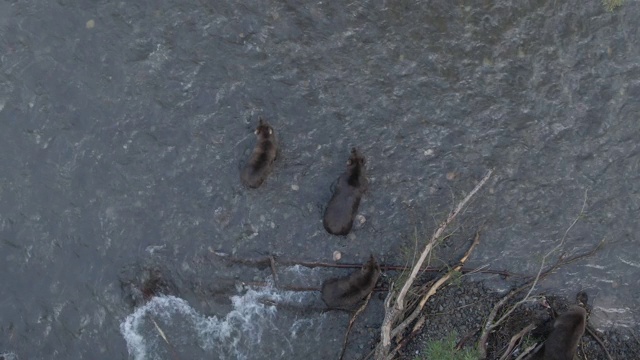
[345,292]
[342,208]
[261,161]
[567,331]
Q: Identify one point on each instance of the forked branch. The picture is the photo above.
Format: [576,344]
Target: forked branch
[393,311]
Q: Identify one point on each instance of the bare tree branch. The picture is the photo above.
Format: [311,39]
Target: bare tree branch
[392,312]
[490,325]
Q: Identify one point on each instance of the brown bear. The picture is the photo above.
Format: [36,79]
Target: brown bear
[264,154]
[342,208]
[567,331]
[345,292]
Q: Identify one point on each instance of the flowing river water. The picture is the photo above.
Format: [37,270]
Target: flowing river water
[123,126]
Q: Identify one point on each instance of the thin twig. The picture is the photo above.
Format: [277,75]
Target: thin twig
[160,331]
[164,337]
[514,340]
[558,246]
[490,325]
[351,322]
[530,350]
[370,354]
[597,338]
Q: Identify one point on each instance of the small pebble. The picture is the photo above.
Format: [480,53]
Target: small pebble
[295,187]
[451,176]
[360,220]
[337,255]
[90,24]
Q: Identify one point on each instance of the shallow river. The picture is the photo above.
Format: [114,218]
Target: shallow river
[123,126]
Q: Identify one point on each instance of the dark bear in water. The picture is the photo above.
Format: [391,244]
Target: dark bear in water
[567,331]
[141,284]
[344,293]
[261,161]
[342,208]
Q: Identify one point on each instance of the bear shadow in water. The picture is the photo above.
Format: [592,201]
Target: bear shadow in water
[141,284]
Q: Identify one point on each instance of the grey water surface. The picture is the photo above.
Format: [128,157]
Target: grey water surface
[123,126]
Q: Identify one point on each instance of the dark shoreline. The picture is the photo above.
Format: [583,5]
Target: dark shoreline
[464,307]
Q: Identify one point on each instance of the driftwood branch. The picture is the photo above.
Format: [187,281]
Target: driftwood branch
[399,303]
[432,291]
[393,312]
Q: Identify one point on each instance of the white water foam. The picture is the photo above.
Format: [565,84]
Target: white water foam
[8,356]
[250,331]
